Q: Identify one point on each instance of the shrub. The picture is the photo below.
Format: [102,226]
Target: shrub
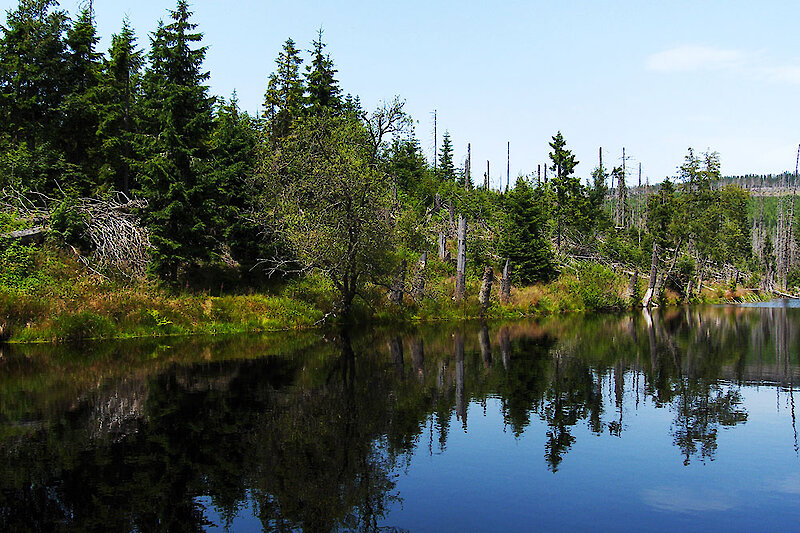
[82,326]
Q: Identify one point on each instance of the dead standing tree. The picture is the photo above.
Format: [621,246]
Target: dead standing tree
[461,264]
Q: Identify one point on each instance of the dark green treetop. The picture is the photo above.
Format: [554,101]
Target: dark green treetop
[283,101]
[322,86]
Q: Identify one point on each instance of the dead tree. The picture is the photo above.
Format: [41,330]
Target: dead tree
[486,289]
[442,246]
[398,287]
[418,285]
[630,293]
[461,263]
[651,285]
[505,284]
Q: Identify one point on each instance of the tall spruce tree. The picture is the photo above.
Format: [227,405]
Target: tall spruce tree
[283,102]
[177,178]
[446,170]
[568,190]
[233,146]
[324,94]
[120,98]
[80,108]
[32,87]
[523,239]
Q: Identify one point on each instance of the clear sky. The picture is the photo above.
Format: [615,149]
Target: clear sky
[653,77]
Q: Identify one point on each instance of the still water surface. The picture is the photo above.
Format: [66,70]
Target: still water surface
[681,420]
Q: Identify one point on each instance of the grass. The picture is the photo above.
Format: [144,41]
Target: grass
[49,297]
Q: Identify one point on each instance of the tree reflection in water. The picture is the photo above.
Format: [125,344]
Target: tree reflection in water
[313,438]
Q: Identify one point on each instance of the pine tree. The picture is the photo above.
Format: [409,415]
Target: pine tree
[324,94]
[120,98]
[80,109]
[446,170]
[176,177]
[32,86]
[569,205]
[233,146]
[523,240]
[283,102]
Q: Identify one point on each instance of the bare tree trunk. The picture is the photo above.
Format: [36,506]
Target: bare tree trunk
[651,286]
[461,264]
[418,285]
[442,246]
[486,289]
[451,214]
[505,284]
[399,285]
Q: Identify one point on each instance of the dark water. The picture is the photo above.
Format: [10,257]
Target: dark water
[679,421]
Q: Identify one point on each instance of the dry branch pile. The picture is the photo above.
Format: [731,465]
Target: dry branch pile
[117,239]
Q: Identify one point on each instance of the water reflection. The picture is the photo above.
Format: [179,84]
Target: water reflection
[313,433]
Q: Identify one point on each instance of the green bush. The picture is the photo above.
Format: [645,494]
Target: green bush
[68,225]
[81,326]
[597,287]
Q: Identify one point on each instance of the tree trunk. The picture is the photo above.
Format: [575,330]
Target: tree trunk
[486,289]
[418,285]
[505,284]
[398,287]
[442,246]
[461,265]
[651,285]
[632,287]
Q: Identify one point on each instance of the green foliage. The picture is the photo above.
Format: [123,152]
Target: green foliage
[446,170]
[68,225]
[324,94]
[283,101]
[570,205]
[522,239]
[596,286]
[18,266]
[329,201]
[120,111]
[82,326]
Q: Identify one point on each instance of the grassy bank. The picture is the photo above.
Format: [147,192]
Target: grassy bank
[47,295]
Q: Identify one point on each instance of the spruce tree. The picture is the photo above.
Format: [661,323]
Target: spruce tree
[523,240]
[176,177]
[570,204]
[233,146]
[324,94]
[120,98]
[32,87]
[283,102]
[80,108]
[447,171]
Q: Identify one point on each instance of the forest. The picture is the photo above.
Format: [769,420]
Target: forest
[130,195]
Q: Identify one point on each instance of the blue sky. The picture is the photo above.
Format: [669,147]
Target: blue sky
[654,77]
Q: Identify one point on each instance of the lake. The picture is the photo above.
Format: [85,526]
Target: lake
[682,419]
